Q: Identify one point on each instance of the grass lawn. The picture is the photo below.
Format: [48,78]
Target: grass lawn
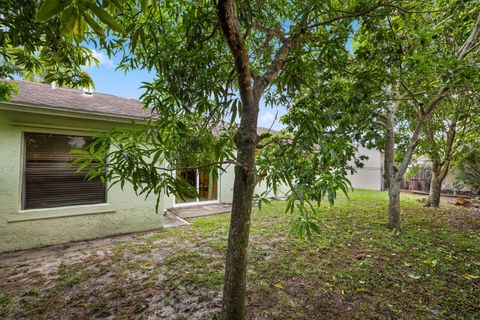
[356,269]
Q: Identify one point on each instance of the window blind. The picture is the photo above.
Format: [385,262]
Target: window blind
[49,182]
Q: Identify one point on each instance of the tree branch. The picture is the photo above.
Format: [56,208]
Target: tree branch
[412,95]
[277,32]
[470,42]
[349,15]
[232,32]
[280,58]
[275,140]
[209,164]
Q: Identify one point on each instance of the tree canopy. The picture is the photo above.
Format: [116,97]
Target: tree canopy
[35,40]
[413,61]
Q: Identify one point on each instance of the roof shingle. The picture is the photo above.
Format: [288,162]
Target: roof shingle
[43,95]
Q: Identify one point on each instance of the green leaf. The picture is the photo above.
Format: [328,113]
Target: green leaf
[68,20]
[116,3]
[49,8]
[82,166]
[470,276]
[144,6]
[142,38]
[94,25]
[79,27]
[134,39]
[105,17]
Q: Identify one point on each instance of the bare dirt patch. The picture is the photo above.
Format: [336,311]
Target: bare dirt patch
[355,269]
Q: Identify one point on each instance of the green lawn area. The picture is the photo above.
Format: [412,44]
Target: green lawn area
[356,269]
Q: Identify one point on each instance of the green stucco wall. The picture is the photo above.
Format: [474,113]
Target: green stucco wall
[124,212]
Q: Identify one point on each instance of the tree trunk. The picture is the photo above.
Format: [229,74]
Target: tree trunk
[236,263]
[434,193]
[393,175]
[234,287]
[433,199]
[440,169]
[386,171]
[394,202]
[233,306]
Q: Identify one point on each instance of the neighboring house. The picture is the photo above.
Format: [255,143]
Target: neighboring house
[44,202]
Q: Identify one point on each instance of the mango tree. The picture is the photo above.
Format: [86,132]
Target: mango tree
[416,60]
[215,62]
[453,125]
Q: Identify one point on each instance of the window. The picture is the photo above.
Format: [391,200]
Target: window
[48,181]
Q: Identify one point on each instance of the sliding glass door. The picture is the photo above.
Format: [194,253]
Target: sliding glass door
[204,183]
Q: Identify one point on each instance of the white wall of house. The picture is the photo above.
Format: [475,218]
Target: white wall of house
[226,184]
[281,192]
[370,176]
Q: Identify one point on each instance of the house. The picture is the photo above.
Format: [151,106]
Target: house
[44,202]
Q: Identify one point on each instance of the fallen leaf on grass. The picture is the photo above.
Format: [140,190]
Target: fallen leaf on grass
[278,286]
[413,276]
[362,290]
[471,276]
[433,263]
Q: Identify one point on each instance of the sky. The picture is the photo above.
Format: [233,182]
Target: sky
[116,82]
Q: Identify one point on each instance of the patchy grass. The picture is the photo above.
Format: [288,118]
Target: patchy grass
[5,304]
[355,269]
[189,267]
[70,277]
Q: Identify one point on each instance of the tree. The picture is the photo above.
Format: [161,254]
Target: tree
[213,62]
[416,60]
[453,124]
[469,167]
[48,45]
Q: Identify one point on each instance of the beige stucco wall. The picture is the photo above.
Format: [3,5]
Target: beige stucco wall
[124,212]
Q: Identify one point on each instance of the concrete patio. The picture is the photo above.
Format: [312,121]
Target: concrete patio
[200,210]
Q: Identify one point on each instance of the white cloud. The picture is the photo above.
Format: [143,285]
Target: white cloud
[266,119]
[103,59]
